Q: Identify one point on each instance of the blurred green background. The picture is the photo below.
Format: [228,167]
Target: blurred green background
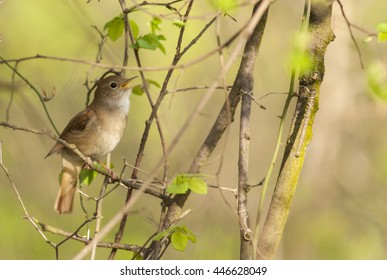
[340,204]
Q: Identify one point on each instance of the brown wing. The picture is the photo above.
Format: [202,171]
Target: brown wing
[77,125]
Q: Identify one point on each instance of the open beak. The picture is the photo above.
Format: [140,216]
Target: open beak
[126,83]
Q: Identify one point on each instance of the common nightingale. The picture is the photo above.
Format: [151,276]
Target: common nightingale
[95,132]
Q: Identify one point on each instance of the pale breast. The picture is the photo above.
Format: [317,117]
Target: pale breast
[108,130]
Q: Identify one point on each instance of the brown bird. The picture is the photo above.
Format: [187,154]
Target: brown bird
[95,132]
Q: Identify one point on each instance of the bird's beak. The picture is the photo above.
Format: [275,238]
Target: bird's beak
[126,83]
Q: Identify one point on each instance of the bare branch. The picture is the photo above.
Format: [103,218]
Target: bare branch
[167,5]
[76,237]
[193,88]
[27,215]
[226,114]
[40,96]
[349,25]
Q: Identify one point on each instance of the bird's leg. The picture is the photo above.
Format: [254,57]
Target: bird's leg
[88,163]
[110,172]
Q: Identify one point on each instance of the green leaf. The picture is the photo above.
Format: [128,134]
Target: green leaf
[134,28]
[298,58]
[177,188]
[179,236]
[179,240]
[149,41]
[137,90]
[184,182]
[382,37]
[87,176]
[377,81]
[224,5]
[178,22]
[153,82]
[191,236]
[155,24]
[382,27]
[115,27]
[197,185]
[302,61]
[160,46]
[382,31]
[162,234]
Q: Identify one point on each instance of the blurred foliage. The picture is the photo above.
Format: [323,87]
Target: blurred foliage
[339,207]
[377,81]
[382,31]
[224,5]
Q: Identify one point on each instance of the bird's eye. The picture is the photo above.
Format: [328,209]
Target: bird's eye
[113,85]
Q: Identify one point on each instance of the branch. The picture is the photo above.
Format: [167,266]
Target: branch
[247,85]
[175,209]
[129,183]
[193,88]
[98,209]
[71,235]
[320,35]
[146,3]
[349,25]
[41,98]
[155,108]
[207,55]
[129,35]
[227,112]
[27,215]
[163,92]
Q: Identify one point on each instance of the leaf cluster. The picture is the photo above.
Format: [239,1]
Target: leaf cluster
[179,237]
[185,182]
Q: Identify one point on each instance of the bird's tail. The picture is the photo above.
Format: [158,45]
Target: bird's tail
[68,184]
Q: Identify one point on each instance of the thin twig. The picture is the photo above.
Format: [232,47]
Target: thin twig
[193,88]
[98,58]
[156,106]
[99,205]
[27,215]
[41,98]
[85,240]
[8,110]
[223,120]
[129,35]
[146,3]
[116,66]
[351,34]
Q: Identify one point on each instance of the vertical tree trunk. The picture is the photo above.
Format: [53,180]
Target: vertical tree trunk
[319,35]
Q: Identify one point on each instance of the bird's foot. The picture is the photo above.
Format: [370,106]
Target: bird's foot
[88,163]
[110,173]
